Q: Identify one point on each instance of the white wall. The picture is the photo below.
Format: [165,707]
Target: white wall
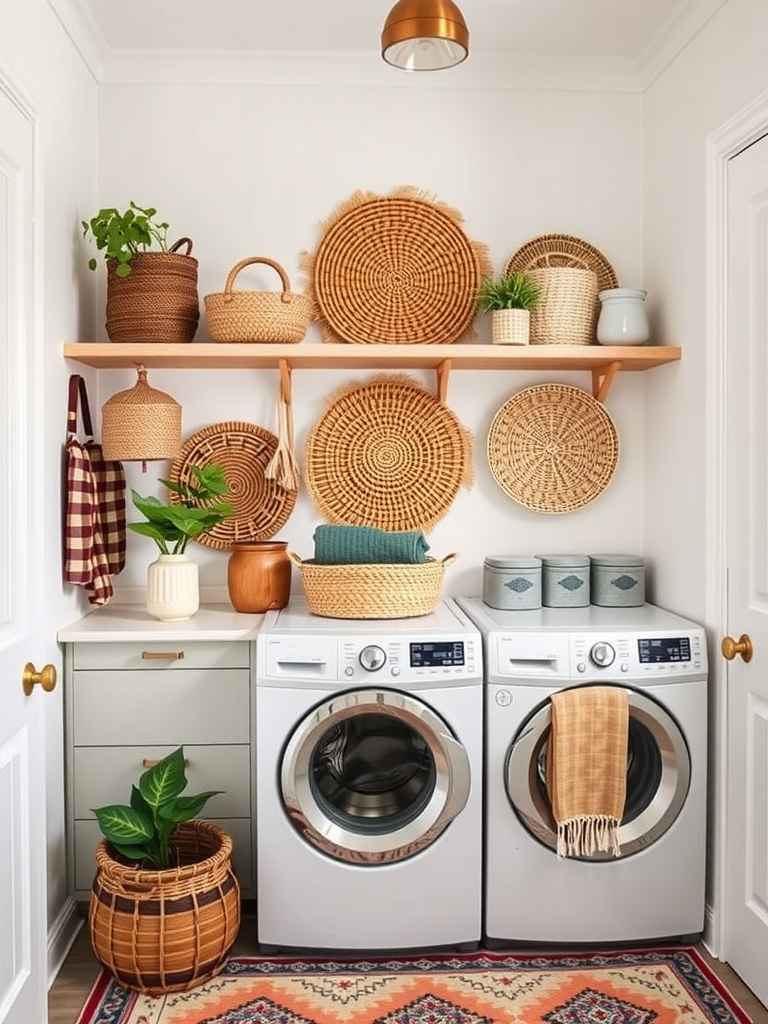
[38,57]
[253,169]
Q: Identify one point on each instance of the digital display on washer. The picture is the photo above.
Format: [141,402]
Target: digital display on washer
[441,653]
[665,649]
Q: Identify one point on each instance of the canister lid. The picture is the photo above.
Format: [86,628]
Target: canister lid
[636,561]
[512,562]
[565,561]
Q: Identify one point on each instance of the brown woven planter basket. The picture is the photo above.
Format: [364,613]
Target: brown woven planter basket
[158,301]
[167,931]
[374,591]
[276,317]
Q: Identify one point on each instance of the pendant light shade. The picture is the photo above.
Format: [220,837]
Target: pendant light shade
[425,35]
[141,424]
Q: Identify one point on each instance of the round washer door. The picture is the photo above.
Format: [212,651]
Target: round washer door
[373,776]
[658,776]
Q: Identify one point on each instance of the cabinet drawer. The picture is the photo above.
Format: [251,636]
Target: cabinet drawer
[161,708]
[169,656]
[104,775]
[88,836]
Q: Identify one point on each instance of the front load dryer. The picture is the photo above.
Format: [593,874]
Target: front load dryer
[369,738]
[655,888]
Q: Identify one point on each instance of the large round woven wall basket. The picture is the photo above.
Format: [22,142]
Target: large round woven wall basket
[157,301]
[168,930]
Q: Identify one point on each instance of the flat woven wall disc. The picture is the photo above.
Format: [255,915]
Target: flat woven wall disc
[553,448]
[244,450]
[387,454]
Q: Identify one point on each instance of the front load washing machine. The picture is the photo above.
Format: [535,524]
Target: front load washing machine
[655,889]
[369,738]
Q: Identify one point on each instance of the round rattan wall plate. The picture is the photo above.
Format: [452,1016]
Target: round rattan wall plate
[562,251]
[387,454]
[244,450]
[396,270]
[553,448]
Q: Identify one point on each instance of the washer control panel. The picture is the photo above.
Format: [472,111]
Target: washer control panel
[403,660]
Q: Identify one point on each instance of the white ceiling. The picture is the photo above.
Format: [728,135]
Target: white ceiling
[622,29]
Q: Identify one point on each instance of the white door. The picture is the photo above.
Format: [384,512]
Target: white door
[23,928]
[746,479]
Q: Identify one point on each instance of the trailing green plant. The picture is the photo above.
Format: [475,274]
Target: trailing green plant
[143,830]
[511,291]
[173,525]
[120,236]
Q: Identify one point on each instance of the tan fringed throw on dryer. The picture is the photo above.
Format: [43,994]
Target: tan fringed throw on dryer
[587,768]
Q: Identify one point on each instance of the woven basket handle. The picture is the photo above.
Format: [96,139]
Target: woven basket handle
[182,241]
[294,558]
[246,263]
[567,260]
[448,560]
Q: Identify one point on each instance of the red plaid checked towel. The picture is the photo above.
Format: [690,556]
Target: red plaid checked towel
[94,524]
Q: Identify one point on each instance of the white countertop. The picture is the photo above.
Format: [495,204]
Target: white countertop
[114,622]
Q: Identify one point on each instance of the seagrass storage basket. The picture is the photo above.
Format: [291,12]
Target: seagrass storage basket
[158,301]
[159,931]
[263,316]
[566,313]
[372,591]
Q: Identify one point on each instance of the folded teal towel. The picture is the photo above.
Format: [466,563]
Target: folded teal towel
[357,545]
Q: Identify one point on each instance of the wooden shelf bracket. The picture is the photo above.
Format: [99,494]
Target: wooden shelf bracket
[602,379]
[443,373]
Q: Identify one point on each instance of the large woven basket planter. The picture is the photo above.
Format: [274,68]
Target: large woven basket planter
[158,301]
[169,930]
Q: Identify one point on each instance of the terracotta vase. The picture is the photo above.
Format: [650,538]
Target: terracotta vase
[259,575]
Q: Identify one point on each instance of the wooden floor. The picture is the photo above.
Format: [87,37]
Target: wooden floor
[80,970]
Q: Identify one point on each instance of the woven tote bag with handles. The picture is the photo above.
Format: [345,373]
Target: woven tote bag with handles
[276,317]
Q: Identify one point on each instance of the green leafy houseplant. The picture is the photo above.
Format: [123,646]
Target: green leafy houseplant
[143,830]
[511,291]
[171,526]
[120,236]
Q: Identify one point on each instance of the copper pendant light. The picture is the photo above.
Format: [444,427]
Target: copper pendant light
[425,35]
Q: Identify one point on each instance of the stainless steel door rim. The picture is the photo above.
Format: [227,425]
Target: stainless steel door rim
[400,809]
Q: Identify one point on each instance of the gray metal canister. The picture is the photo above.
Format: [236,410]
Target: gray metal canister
[618,581]
[512,582]
[565,581]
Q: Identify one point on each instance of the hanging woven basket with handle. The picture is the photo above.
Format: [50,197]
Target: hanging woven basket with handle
[276,317]
[157,301]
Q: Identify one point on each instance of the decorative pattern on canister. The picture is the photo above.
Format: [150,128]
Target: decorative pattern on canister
[565,581]
[618,581]
[512,582]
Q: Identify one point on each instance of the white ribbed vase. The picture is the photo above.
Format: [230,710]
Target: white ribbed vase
[173,588]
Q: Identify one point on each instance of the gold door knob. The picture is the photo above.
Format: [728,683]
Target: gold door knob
[46,677]
[743,646]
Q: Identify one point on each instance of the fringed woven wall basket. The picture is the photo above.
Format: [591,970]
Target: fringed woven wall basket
[157,301]
[159,931]
[276,317]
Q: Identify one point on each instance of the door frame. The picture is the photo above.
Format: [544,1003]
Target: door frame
[745,127]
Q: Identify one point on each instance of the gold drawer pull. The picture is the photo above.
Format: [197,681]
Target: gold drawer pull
[162,655]
[148,762]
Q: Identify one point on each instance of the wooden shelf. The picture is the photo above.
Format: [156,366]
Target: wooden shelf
[320,356]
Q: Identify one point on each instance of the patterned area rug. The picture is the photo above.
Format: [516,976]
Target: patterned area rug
[651,986]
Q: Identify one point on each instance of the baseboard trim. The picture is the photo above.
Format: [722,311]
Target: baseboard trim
[61,936]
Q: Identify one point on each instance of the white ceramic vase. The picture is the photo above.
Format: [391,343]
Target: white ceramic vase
[622,319]
[173,588]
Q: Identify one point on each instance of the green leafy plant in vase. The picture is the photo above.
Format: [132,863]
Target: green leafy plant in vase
[143,830]
[509,299]
[173,591]
[151,284]
[156,866]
